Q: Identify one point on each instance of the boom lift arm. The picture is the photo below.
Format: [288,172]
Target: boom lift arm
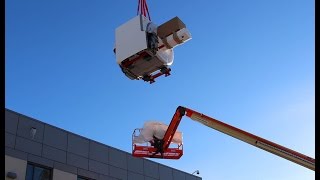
[249,138]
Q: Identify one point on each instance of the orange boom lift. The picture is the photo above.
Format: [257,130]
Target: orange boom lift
[164,151]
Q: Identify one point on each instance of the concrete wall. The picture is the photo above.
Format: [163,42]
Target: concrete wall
[70,154]
[15,165]
[58,175]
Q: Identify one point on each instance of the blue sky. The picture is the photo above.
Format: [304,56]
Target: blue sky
[249,64]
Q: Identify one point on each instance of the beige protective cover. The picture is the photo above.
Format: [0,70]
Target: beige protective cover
[157,129]
[167,28]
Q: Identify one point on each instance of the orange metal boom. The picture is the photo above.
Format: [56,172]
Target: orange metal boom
[254,140]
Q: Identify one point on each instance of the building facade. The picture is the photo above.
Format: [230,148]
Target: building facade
[36,150]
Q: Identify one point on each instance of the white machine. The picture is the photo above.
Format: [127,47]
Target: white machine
[145,51]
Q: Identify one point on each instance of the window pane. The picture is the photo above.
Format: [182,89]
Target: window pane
[41,174]
[29,173]
[35,172]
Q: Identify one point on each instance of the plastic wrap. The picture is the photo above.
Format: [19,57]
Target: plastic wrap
[166,56]
[157,129]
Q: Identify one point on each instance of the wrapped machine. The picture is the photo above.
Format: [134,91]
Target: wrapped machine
[144,50]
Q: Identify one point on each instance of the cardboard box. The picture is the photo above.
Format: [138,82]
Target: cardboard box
[169,27]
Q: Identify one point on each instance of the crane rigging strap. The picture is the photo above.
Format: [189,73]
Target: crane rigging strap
[143,9]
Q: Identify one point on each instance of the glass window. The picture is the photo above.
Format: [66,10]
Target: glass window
[37,172]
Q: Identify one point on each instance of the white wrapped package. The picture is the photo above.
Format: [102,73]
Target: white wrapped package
[157,129]
[166,56]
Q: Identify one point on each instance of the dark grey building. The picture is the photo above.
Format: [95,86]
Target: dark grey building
[36,150]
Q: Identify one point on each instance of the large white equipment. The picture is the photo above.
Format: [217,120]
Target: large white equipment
[145,51]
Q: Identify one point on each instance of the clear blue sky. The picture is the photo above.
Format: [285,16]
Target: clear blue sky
[249,64]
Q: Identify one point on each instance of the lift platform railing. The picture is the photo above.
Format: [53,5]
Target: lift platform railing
[175,151]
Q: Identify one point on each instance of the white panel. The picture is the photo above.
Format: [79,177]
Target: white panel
[58,175]
[17,166]
[130,39]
